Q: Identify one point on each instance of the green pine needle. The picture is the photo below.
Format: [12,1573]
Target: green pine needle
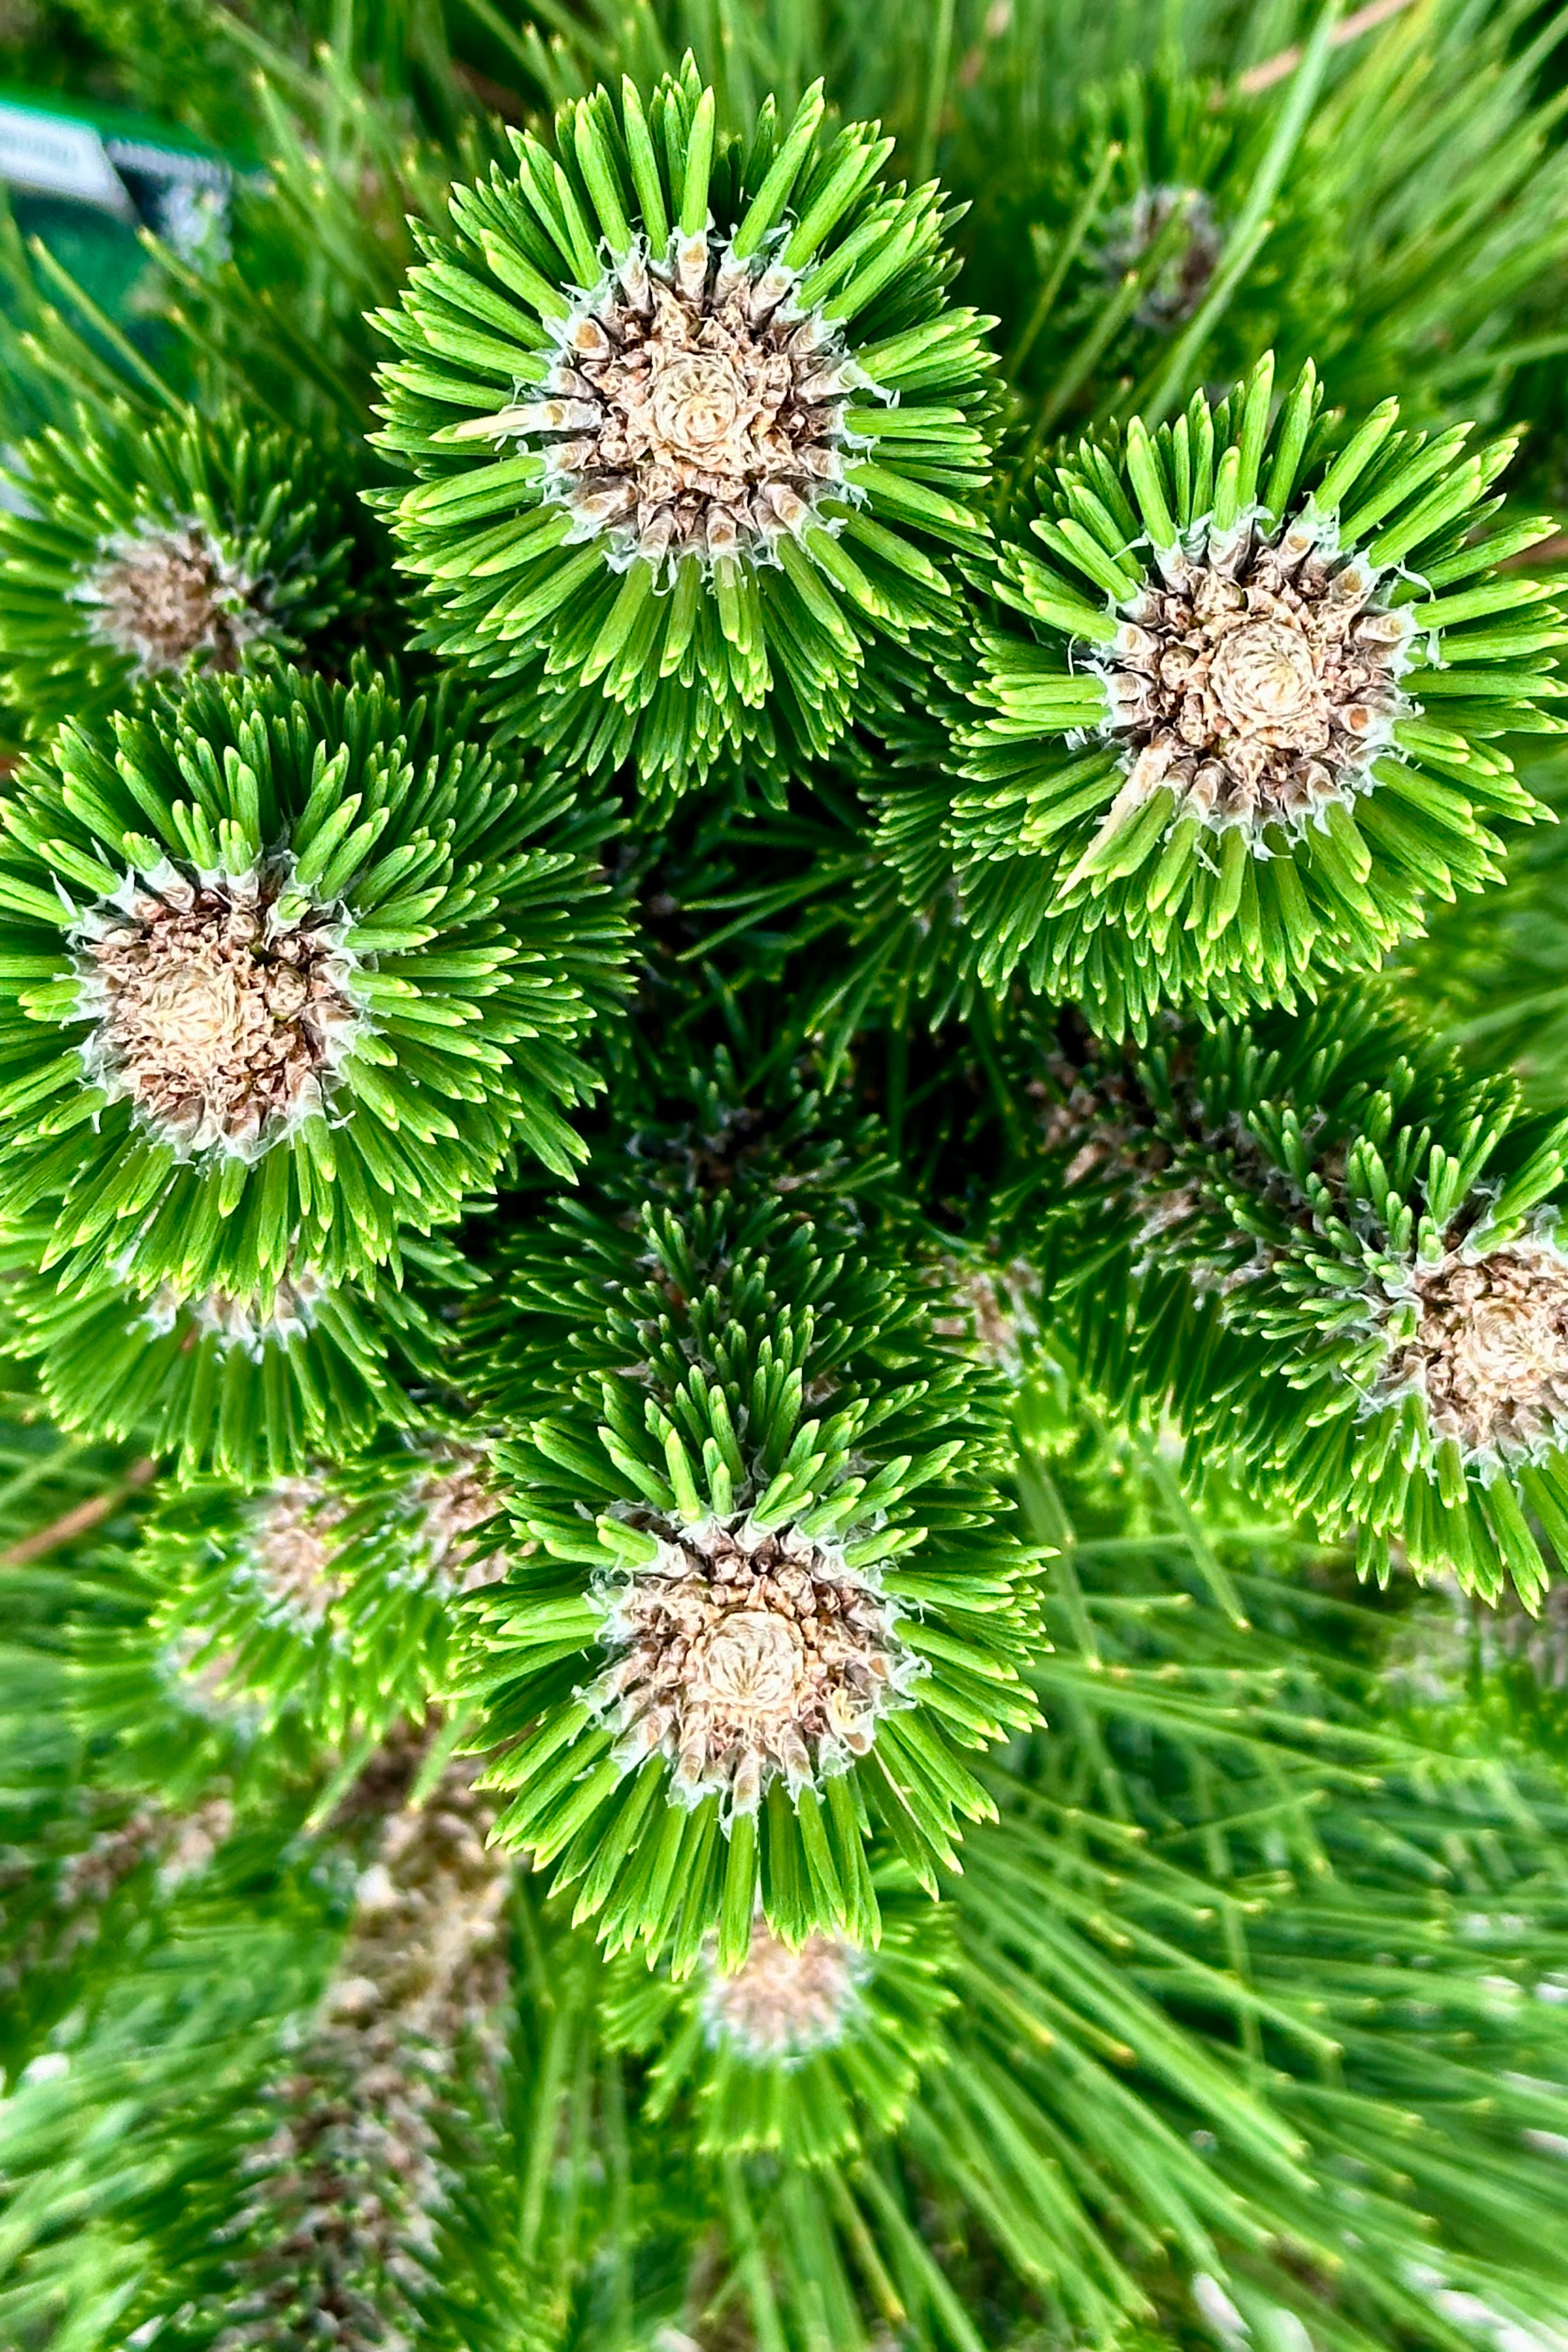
[249,1385]
[800,2053]
[331,1601]
[130,547]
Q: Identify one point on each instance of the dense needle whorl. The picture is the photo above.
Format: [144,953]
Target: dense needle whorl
[771,1537]
[659,1697]
[332,1599]
[1341,1260]
[1239,709]
[807,2045]
[312,956]
[138,546]
[693,422]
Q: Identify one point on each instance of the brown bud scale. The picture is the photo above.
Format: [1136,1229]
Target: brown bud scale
[743,1656]
[1257,681]
[222,1005]
[1489,1349]
[166,595]
[691,409]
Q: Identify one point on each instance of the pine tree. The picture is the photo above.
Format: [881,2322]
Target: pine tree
[784,1122]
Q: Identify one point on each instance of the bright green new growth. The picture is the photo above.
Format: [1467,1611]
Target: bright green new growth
[292,971]
[691,416]
[1489,974]
[130,548]
[771,1597]
[1233,1965]
[802,2051]
[1208,2026]
[1247,734]
[1388,211]
[1329,1254]
[250,1384]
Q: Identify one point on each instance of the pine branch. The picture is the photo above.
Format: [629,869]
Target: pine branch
[695,627]
[81,1518]
[1218,812]
[1263,77]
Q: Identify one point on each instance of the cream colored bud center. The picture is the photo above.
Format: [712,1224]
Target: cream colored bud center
[691,408]
[223,1020]
[696,401]
[194,1017]
[1264,682]
[1254,679]
[1490,1349]
[784,2002]
[167,595]
[293,1554]
[745,1656]
[751,1663]
[1510,1347]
